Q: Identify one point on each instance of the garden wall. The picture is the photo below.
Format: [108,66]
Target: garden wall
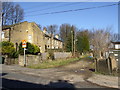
[60,55]
[36,59]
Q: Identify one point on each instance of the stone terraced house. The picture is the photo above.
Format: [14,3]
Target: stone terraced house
[30,32]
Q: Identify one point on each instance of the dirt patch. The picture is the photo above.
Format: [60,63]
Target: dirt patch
[81,67]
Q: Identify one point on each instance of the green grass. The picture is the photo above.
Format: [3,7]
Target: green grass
[54,63]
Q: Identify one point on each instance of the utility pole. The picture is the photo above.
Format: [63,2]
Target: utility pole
[75,46]
[72,41]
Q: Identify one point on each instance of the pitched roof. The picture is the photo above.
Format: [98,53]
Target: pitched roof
[116,42]
[9,26]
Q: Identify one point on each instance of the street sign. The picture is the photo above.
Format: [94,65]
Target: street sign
[24,46]
[23,43]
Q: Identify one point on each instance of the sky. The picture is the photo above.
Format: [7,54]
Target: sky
[97,18]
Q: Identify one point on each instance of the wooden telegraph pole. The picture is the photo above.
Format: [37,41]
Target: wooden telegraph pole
[72,42]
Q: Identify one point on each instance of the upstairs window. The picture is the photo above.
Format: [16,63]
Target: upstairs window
[117,46]
[30,38]
[3,35]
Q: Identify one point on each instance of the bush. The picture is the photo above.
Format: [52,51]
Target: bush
[36,49]
[50,55]
[31,49]
[8,49]
[15,55]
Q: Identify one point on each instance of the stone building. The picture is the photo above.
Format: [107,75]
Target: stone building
[51,41]
[115,49]
[30,32]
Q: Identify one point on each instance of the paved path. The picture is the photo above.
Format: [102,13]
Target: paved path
[74,75]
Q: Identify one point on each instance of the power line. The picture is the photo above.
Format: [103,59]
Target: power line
[64,5]
[28,9]
[74,10]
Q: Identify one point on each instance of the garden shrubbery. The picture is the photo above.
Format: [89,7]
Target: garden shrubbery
[7,48]
[31,49]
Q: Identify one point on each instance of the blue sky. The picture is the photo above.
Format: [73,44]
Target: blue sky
[84,19]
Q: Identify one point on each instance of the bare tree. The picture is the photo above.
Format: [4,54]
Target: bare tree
[52,29]
[18,14]
[65,29]
[11,13]
[100,39]
[67,34]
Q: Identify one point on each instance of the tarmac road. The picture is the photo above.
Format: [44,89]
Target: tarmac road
[14,76]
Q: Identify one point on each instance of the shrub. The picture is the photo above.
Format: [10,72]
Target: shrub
[31,49]
[36,49]
[50,55]
[15,55]
[7,48]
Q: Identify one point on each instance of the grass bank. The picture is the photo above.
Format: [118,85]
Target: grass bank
[54,63]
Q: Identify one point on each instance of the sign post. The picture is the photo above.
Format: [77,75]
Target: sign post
[24,46]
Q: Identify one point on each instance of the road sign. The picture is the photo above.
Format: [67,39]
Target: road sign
[24,46]
[23,43]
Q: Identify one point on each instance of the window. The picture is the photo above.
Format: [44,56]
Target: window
[30,38]
[52,47]
[117,46]
[3,35]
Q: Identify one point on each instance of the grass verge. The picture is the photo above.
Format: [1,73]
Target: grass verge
[54,63]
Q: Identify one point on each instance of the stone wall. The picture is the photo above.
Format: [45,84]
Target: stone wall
[10,61]
[60,55]
[44,56]
[30,59]
[36,59]
[57,55]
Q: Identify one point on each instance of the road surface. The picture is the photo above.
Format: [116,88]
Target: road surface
[14,76]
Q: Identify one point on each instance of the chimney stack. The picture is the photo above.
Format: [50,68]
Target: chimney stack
[57,36]
[44,30]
